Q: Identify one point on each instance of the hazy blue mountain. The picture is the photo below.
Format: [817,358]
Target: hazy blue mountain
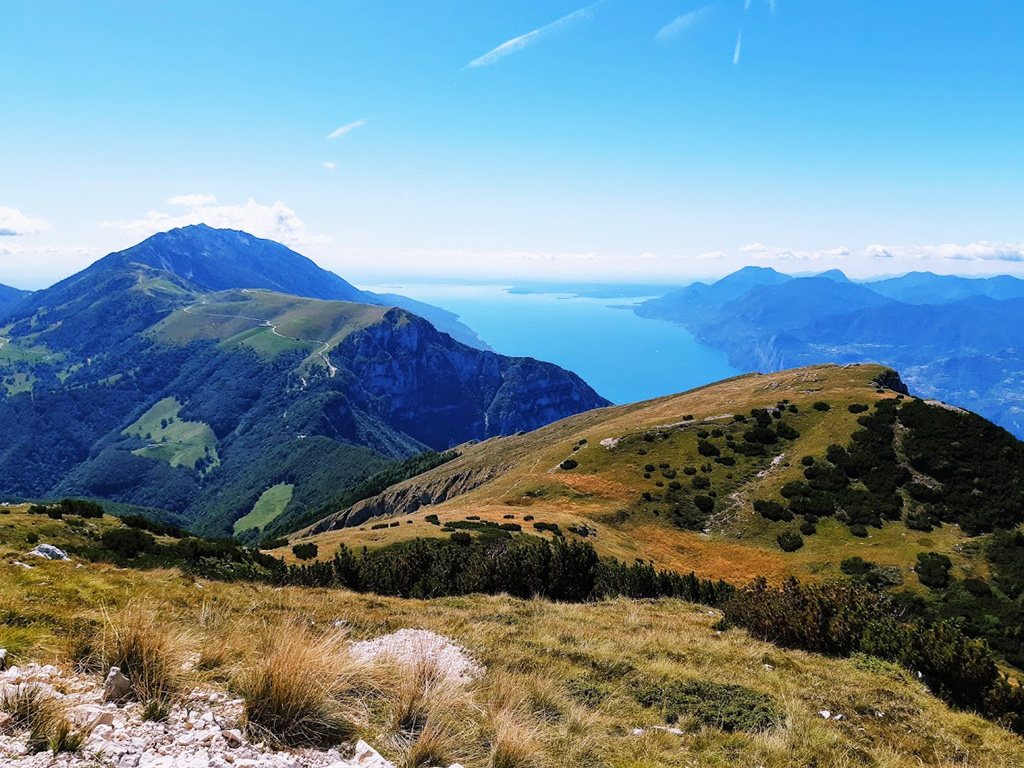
[134,381]
[695,301]
[929,288]
[957,339]
[10,298]
[836,275]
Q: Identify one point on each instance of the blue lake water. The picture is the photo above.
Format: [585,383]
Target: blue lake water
[624,357]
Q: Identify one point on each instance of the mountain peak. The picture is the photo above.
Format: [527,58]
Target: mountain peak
[835,275]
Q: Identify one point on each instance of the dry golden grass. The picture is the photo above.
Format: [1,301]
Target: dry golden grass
[147,651]
[299,687]
[559,684]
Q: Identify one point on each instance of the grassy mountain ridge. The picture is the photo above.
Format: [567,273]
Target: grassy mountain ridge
[639,472]
[819,473]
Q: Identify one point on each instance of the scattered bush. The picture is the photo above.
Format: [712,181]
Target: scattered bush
[307,550]
[718,705]
[705,448]
[933,569]
[821,406]
[128,542]
[790,541]
[569,464]
[857,408]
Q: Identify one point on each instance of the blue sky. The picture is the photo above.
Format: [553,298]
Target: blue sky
[621,140]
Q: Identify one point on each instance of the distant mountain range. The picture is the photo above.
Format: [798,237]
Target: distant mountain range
[954,338]
[218,375]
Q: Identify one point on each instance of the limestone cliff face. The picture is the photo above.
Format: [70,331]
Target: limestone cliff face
[442,393]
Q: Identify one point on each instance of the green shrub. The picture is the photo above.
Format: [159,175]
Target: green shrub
[569,464]
[307,550]
[857,408]
[790,541]
[128,542]
[718,705]
[821,406]
[859,531]
[705,448]
[933,569]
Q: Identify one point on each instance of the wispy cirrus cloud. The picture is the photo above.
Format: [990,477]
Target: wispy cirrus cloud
[979,251]
[680,24]
[347,128]
[275,221]
[14,223]
[519,43]
[736,52]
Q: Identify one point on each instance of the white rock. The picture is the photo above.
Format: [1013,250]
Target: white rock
[233,737]
[367,757]
[116,687]
[825,714]
[49,552]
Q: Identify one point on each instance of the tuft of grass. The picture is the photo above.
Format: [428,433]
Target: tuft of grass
[26,705]
[148,654]
[156,710]
[293,688]
[516,742]
[64,737]
[32,708]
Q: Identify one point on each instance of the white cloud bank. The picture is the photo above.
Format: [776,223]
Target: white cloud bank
[519,43]
[276,221]
[979,251]
[14,223]
[761,251]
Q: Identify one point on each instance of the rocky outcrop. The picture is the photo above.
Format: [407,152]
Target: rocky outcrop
[443,393]
[890,379]
[405,498]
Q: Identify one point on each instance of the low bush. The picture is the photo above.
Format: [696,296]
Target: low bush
[307,550]
[718,705]
[569,464]
[933,569]
[790,541]
[821,405]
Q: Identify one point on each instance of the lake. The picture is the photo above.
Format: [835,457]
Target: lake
[624,357]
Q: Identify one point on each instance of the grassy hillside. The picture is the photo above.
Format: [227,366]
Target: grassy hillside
[639,471]
[565,685]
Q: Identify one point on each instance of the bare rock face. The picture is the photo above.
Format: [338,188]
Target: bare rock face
[116,687]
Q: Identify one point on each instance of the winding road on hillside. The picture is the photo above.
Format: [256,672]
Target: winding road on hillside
[273,329]
[3,341]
